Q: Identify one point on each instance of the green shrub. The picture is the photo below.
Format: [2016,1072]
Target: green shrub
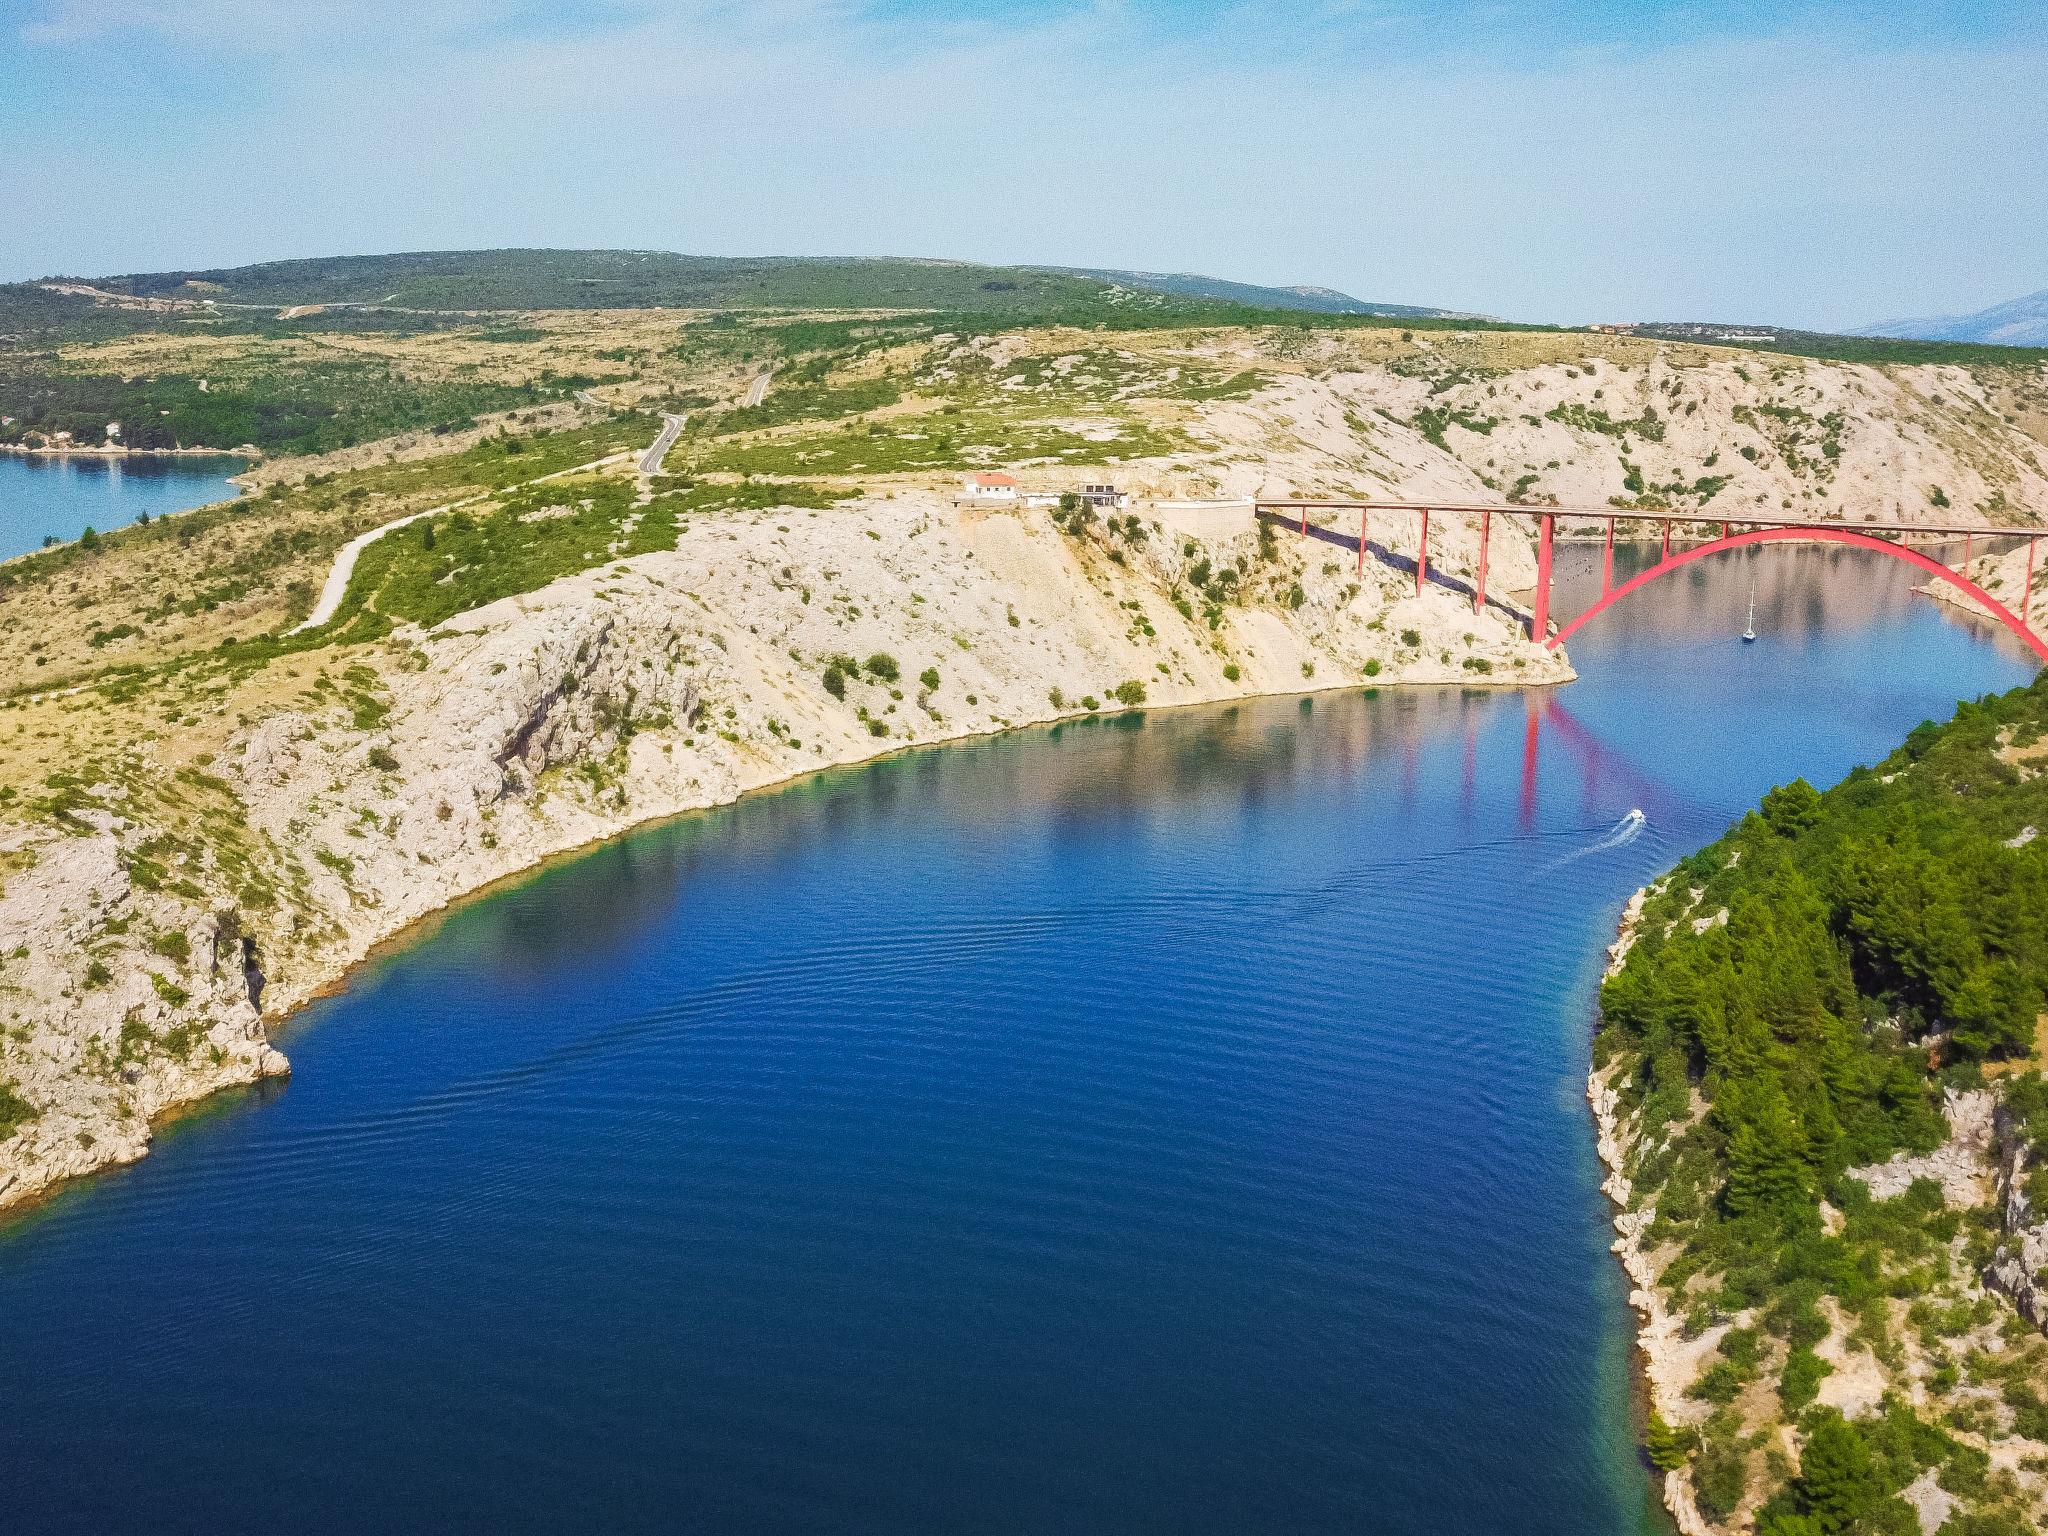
[930,678]
[15,1111]
[1719,1478]
[1721,1383]
[1411,638]
[172,946]
[1800,1381]
[883,666]
[1232,671]
[1668,1448]
[381,759]
[1372,666]
[1129,693]
[835,681]
[96,973]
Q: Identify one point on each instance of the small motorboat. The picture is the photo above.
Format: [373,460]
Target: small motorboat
[1749,630]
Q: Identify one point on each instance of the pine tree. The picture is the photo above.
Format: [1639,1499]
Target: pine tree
[1668,1448]
[1765,1164]
[1836,1479]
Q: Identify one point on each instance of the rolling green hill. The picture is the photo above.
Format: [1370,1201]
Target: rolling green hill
[1191,285]
[539,279]
[530,279]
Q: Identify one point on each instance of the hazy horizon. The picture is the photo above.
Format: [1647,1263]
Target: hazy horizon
[1607,160]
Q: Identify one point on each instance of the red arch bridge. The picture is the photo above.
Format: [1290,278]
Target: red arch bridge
[1736,533]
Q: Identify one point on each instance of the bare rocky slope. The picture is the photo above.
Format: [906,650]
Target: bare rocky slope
[167,905]
[201,825]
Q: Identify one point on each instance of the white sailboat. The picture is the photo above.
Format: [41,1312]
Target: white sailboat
[1749,629]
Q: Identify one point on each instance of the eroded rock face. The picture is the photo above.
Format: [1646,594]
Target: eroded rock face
[220,892]
[102,1040]
[2020,1266]
[1961,1165]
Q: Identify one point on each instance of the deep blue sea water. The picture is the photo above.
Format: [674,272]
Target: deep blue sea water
[62,497]
[1173,1123]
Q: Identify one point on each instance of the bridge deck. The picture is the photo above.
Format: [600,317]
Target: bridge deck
[1753,530]
[1632,515]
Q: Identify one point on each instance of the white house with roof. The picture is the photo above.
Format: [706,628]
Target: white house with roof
[989,485]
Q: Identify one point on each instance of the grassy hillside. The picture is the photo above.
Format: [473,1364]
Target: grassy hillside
[531,279]
[1190,285]
[456,281]
[1798,996]
[534,279]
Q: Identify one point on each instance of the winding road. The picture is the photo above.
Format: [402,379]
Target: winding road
[336,587]
[672,425]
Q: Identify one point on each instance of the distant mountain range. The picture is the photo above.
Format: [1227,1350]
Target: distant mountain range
[2017,323]
[545,279]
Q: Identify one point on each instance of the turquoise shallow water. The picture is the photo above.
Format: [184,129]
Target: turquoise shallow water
[62,497]
[1170,1123]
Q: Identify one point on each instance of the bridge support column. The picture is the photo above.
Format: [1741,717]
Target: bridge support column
[1479,586]
[1665,553]
[1539,614]
[2027,592]
[1422,553]
[1304,522]
[1607,562]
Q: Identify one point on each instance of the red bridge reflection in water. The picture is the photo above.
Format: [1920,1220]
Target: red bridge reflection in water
[1885,538]
[1596,763]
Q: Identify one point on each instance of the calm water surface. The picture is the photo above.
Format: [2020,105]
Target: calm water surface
[42,497]
[1172,1124]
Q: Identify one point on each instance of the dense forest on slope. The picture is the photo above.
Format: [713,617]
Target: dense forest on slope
[1192,285]
[541,279]
[547,279]
[1796,999]
[303,409]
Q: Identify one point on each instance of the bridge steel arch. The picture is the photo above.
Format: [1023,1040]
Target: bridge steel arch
[1809,533]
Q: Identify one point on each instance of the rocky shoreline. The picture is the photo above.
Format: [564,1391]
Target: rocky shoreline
[1986,1161]
[121,451]
[439,764]
[1663,1359]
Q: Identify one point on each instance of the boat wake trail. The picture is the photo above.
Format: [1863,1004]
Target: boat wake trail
[1620,835]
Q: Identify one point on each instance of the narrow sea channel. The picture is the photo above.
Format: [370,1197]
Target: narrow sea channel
[1170,1123]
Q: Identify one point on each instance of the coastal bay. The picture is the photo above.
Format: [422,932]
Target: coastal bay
[712,1080]
[61,495]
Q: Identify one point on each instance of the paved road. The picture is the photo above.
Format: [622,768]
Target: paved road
[650,461]
[336,587]
[758,390]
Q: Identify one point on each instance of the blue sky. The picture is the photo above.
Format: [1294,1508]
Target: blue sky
[1809,164]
